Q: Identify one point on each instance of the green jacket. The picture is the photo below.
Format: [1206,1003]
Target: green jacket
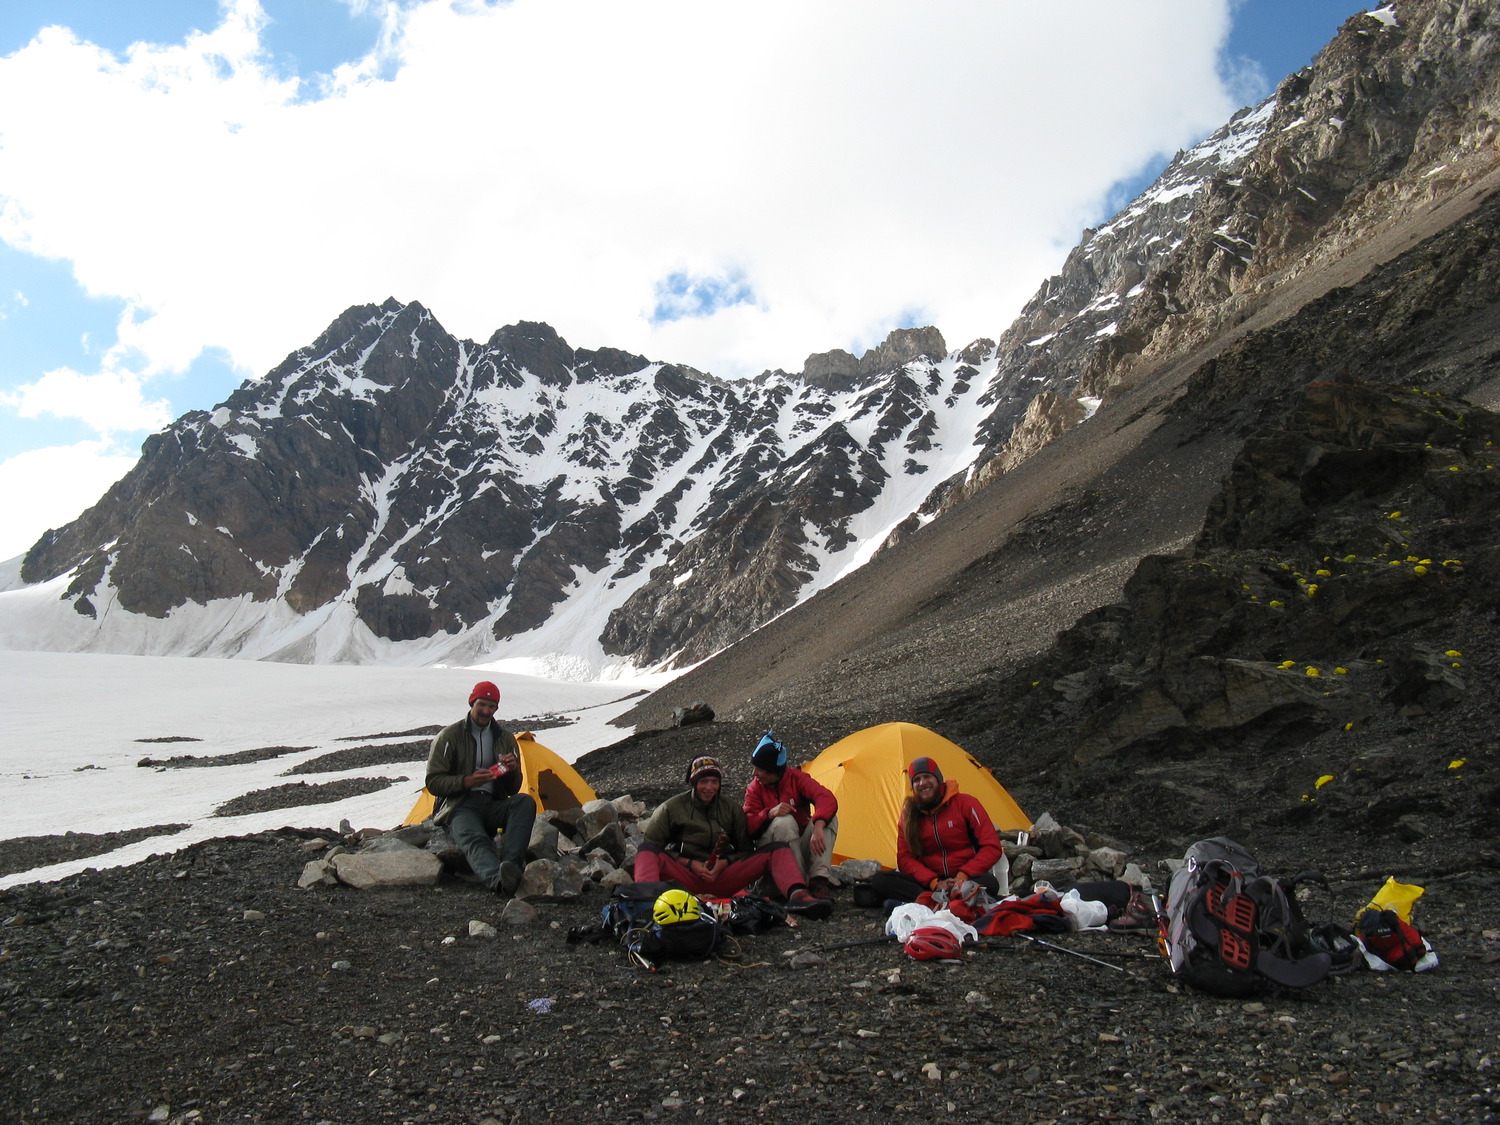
[682,826]
[452,759]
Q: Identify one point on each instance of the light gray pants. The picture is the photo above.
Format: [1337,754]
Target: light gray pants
[783,830]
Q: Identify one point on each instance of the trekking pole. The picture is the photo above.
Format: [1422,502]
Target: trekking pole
[1073,952]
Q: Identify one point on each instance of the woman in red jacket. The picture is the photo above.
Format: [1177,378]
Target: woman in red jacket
[943,839]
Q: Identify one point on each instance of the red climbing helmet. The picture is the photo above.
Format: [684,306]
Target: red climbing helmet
[932,943]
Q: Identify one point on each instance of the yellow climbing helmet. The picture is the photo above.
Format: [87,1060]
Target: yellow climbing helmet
[675,906]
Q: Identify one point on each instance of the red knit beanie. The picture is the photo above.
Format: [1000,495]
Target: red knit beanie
[484,690]
[924,765]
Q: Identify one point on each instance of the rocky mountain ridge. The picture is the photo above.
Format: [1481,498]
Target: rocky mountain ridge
[392,493]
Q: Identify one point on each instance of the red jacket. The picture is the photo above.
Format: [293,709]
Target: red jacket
[809,800]
[956,836]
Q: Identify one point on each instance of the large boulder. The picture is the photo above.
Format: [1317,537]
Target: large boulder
[402,867]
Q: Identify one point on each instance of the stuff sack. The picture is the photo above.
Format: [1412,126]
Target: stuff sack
[748,913]
[1230,929]
[1389,942]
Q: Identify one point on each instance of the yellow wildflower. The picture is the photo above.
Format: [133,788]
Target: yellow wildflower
[1322,781]
[1313,672]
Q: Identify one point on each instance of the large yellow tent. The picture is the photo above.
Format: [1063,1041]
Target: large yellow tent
[867,773]
[554,783]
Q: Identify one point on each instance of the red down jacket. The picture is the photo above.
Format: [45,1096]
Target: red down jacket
[956,837]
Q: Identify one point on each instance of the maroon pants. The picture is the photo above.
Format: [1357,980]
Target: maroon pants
[653,865]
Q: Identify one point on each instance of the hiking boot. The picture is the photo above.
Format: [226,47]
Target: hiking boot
[803,903]
[1138,914]
[510,878]
[819,886]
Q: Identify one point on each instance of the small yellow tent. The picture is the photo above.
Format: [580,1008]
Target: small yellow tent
[867,773]
[554,783]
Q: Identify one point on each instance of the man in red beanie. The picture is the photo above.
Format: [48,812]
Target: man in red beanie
[474,775]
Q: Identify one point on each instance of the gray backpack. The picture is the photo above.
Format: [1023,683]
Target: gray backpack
[1231,930]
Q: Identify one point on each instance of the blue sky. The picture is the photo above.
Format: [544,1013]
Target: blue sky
[189,190]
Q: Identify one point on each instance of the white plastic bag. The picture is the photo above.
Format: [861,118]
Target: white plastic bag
[1083,913]
[912,916]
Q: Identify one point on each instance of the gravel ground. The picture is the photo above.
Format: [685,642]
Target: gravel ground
[204,986]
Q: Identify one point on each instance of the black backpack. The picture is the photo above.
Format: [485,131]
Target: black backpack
[1232,930]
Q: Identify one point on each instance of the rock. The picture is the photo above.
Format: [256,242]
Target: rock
[598,865]
[628,808]
[315,845]
[1054,840]
[407,867]
[1108,863]
[317,873]
[519,912]
[341,966]
[253,916]
[553,881]
[538,877]
[856,870]
[1135,876]
[1053,871]
[596,815]
[389,842]
[478,929]
[544,836]
[805,959]
[699,712]
[616,878]
[610,839]
[417,835]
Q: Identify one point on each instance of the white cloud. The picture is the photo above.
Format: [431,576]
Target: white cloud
[557,161]
[109,402]
[845,161]
[47,488]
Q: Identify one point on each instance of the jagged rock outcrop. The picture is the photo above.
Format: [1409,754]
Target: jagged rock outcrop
[1398,113]
[1339,536]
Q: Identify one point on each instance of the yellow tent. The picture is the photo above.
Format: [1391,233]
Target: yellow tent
[554,783]
[867,773]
